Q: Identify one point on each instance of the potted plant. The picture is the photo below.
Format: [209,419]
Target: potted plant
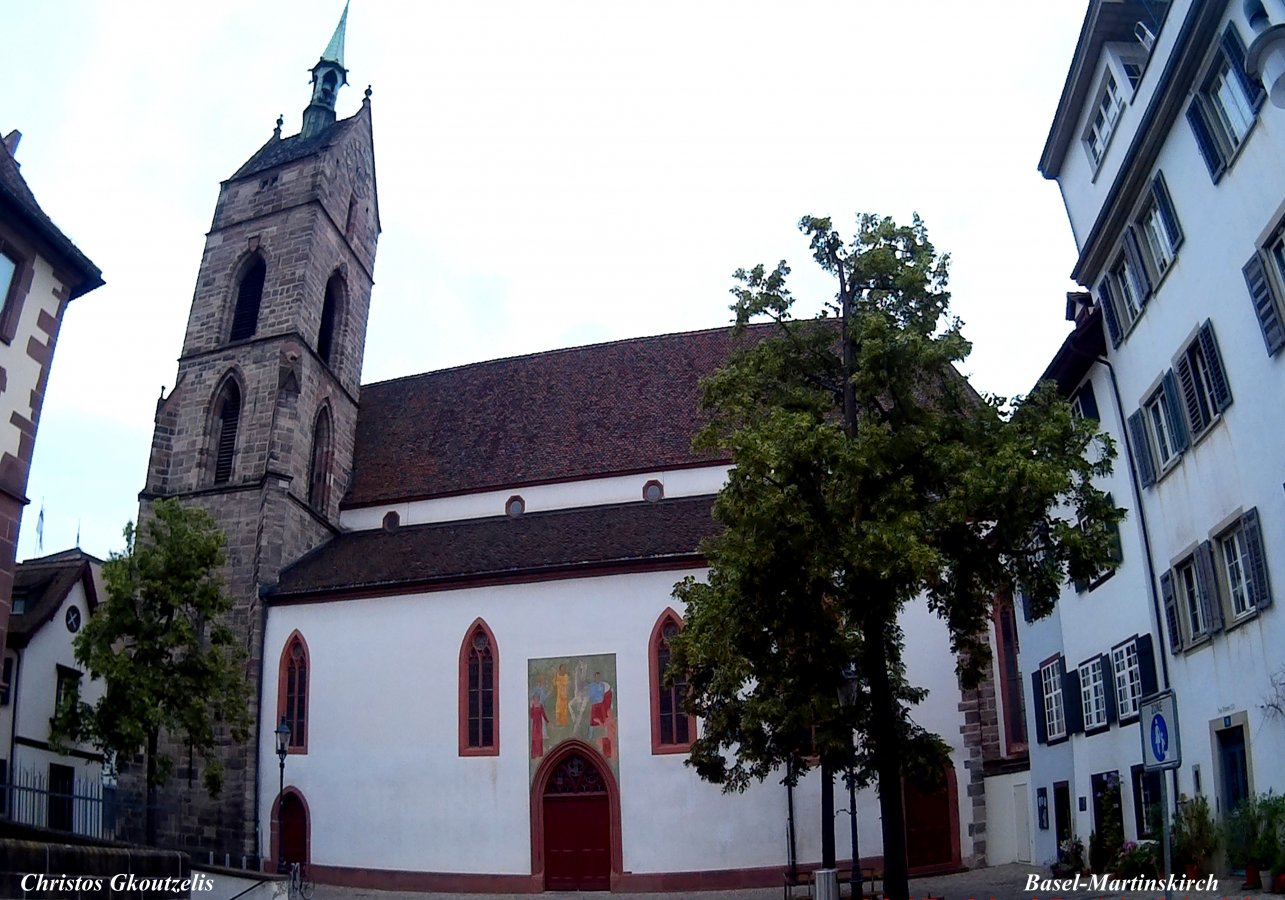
[1241,831]
[1195,837]
[1070,858]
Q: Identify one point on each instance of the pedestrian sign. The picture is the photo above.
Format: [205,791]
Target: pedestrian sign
[1158,720]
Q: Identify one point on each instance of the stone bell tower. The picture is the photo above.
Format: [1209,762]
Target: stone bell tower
[259,426]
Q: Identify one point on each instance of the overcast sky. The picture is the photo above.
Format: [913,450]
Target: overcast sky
[550,174]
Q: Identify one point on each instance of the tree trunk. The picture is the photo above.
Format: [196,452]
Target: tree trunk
[149,814]
[887,756]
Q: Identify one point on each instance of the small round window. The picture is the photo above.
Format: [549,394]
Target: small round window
[653,491]
[514,506]
[73,619]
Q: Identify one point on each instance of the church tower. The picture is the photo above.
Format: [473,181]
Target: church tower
[259,427]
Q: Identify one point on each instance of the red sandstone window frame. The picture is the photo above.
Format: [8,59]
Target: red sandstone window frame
[655,672]
[467,652]
[298,722]
[15,297]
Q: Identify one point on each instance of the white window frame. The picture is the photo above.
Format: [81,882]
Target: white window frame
[1233,560]
[1187,585]
[1128,679]
[1104,115]
[1154,410]
[1093,696]
[1233,112]
[1125,292]
[1156,241]
[1054,713]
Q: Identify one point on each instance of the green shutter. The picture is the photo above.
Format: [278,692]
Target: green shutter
[1108,313]
[1178,433]
[1167,214]
[1191,399]
[1211,607]
[1142,450]
[1217,375]
[1171,612]
[1257,559]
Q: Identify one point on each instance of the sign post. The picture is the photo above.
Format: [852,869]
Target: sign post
[1161,750]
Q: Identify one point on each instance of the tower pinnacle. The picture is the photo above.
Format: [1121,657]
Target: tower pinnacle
[328,75]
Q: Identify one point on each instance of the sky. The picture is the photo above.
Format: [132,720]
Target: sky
[549,175]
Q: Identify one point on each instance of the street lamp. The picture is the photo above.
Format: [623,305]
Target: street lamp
[848,692]
[283,747]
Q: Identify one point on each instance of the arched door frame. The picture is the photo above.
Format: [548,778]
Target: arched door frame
[540,782]
[951,791]
[270,864]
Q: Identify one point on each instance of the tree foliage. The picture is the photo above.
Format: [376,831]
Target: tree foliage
[867,473]
[161,644]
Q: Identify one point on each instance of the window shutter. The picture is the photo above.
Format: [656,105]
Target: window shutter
[1108,687]
[1260,292]
[1189,396]
[1173,415]
[1167,214]
[1235,51]
[1257,559]
[1205,140]
[1210,606]
[1217,375]
[1072,701]
[1037,700]
[1134,256]
[1108,313]
[1088,403]
[1150,684]
[1171,612]
[1142,450]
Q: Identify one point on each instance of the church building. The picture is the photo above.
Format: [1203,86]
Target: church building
[456,587]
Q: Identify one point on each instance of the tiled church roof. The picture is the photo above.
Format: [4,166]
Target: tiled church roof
[606,409]
[560,543]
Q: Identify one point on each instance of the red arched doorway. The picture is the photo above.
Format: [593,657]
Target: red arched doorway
[575,835]
[292,834]
[932,825]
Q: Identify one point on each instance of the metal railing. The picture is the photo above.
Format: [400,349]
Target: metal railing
[84,806]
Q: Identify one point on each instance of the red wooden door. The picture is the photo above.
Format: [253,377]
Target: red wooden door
[577,828]
[928,827]
[294,829]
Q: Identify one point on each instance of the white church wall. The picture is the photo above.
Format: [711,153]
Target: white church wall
[692,482]
[386,787]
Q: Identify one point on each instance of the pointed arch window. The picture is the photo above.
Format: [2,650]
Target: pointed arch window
[249,296]
[672,730]
[319,469]
[292,691]
[227,418]
[479,694]
[329,319]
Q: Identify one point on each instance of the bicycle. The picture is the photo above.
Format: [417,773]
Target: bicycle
[301,884]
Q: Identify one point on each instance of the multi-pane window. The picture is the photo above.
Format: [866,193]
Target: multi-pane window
[1159,431]
[1127,294]
[1242,566]
[294,692]
[1158,243]
[1133,72]
[1225,104]
[1128,679]
[1191,598]
[1105,114]
[1093,695]
[1158,427]
[67,691]
[1054,715]
[8,268]
[480,690]
[672,729]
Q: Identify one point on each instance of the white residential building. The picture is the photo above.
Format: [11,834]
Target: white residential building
[1167,151]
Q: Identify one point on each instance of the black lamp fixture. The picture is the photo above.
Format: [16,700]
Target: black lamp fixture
[282,732]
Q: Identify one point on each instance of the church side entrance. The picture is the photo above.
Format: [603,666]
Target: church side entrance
[577,827]
[932,826]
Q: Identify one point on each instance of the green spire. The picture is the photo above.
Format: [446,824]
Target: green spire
[334,51]
[328,75]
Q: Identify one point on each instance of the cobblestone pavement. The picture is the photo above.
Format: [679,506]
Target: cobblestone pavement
[996,883]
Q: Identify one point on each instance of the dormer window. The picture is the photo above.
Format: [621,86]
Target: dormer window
[1102,121]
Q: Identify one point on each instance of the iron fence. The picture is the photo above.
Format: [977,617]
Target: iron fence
[84,806]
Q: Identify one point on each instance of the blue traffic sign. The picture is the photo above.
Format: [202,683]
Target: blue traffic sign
[1159,737]
[1161,744]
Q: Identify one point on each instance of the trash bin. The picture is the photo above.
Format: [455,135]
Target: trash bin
[827,884]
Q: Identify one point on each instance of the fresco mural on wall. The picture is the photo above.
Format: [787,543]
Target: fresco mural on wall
[572,697]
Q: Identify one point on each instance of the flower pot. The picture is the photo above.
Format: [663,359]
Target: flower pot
[1279,887]
[1253,877]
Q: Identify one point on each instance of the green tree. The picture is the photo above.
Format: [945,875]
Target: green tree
[161,645]
[867,473]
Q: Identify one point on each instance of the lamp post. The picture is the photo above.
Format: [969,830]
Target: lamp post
[848,692]
[283,747]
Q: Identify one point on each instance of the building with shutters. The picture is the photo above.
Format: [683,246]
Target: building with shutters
[1166,145]
[456,587]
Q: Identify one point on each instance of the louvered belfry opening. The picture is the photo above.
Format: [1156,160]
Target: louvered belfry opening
[319,471]
[249,295]
[227,416]
[329,315]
